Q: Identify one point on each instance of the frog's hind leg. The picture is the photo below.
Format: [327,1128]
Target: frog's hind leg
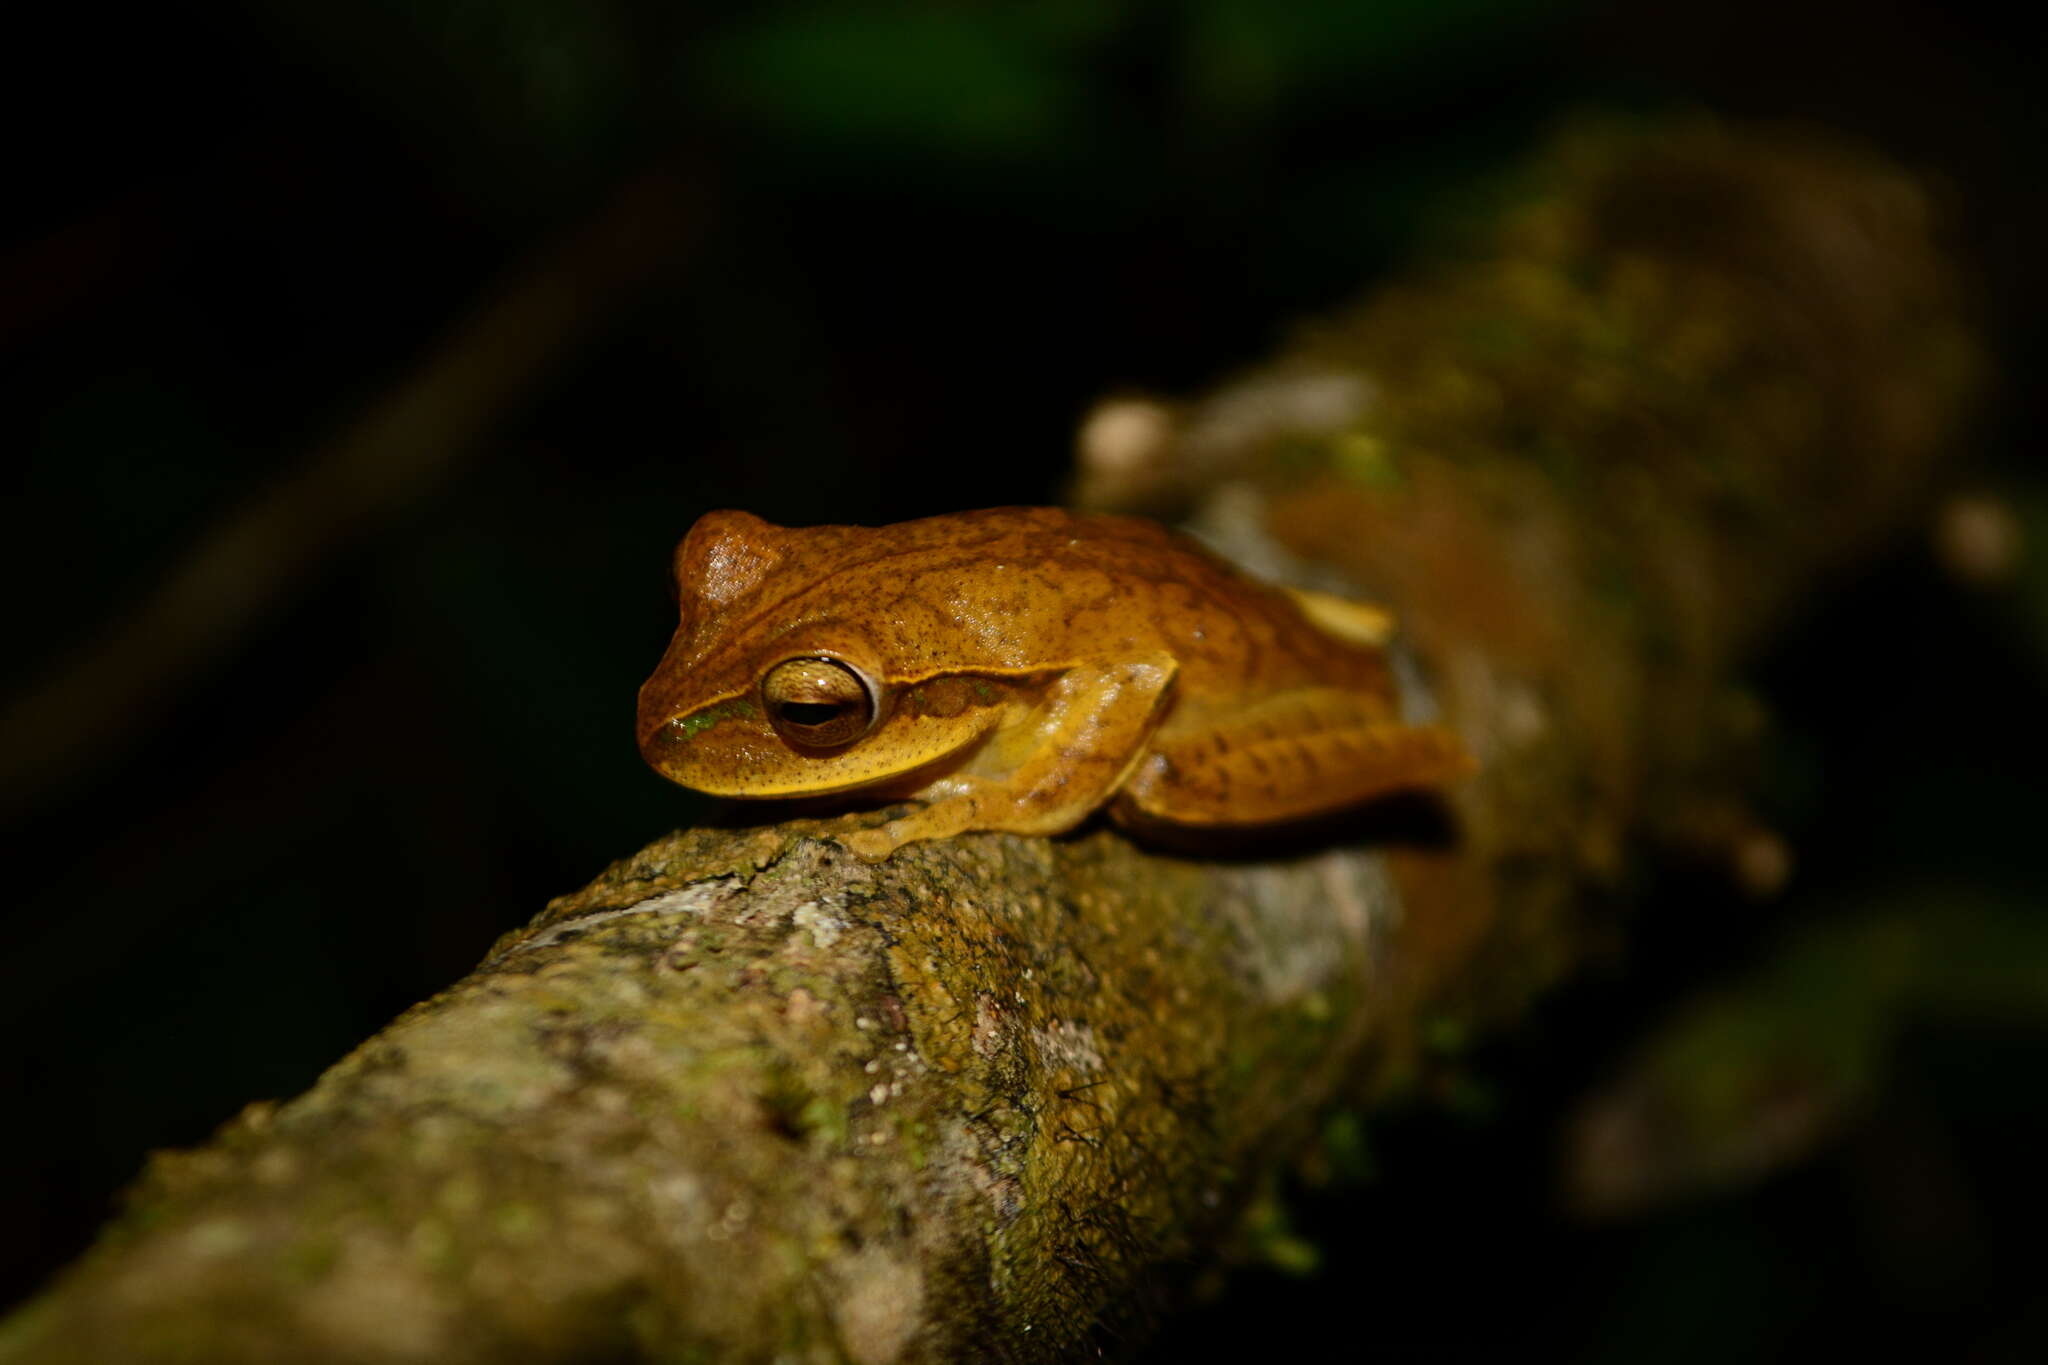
[1297,754]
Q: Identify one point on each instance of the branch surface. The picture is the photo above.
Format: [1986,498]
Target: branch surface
[746,1098]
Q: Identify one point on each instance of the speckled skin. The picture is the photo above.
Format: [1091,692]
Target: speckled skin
[1031,664]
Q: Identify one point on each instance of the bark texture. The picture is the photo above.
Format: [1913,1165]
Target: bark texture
[745,1098]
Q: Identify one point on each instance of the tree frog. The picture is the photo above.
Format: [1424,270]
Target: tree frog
[1016,669]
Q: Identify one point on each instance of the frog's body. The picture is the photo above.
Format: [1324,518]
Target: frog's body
[1016,669]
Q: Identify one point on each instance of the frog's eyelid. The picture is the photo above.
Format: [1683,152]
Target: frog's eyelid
[875,691]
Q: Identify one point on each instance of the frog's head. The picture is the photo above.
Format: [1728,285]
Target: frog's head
[815,720]
[774,687]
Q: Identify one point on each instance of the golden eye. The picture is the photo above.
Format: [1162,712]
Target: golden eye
[818,703]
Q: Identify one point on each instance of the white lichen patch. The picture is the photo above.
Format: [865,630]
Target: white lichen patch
[1066,1045]
[988,1025]
[880,1306]
[1122,436]
[1292,943]
[677,1199]
[823,922]
[1295,402]
[692,901]
[277,1166]
[804,1010]
[375,1306]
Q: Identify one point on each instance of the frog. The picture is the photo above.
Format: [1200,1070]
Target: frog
[1018,669]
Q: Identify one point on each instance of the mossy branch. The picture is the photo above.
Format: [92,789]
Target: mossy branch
[747,1098]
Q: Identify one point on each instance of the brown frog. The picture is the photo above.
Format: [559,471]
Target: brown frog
[1016,669]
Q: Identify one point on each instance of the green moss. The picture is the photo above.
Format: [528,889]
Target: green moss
[1346,1148]
[917,1140]
[1273,1240]
[1493,337]
[310,1259]
[518,1222]
[1471,1097]
[1298,456]
[1446,1035]
[28,1325]
[1367,460]
[432,1243]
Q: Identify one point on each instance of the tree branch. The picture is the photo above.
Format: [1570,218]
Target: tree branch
[746,1098]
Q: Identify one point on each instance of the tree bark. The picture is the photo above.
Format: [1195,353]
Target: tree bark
[746,1098]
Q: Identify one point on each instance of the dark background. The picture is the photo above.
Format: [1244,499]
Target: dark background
[900,249]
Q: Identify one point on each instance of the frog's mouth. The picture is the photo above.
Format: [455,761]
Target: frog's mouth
[745,766]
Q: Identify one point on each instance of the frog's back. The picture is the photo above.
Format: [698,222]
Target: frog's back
[1110,584]
[1013,589]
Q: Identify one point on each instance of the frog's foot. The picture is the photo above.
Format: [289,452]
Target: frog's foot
[1094,726]
[1294,755]
[940,820]
[872,845]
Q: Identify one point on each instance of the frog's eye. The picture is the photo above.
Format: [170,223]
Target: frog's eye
[818,703]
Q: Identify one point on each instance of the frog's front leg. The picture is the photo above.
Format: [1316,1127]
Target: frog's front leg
[1075,750]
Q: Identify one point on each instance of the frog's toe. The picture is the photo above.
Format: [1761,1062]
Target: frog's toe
[870,845]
